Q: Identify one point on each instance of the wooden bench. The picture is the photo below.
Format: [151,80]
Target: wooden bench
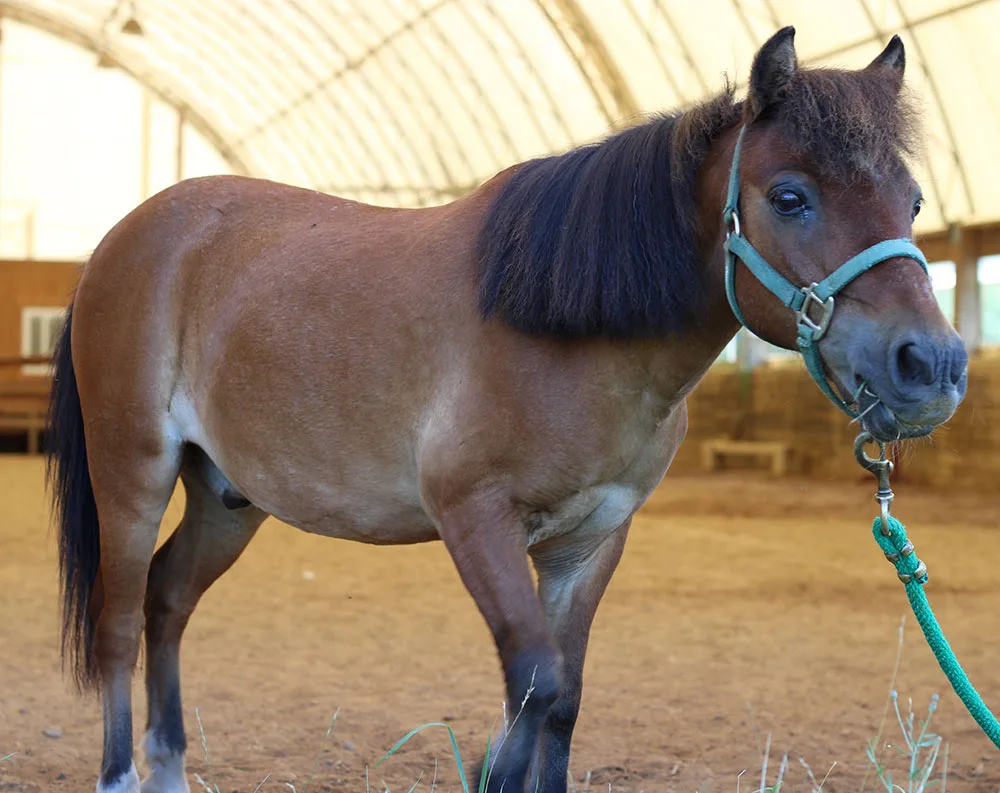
[24,403]
[714,450]
[33,425]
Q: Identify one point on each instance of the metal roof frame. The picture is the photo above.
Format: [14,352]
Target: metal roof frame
[415,101]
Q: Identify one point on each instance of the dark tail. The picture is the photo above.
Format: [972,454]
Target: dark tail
[76,511]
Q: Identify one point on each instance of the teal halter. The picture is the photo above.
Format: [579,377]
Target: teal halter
[816,296]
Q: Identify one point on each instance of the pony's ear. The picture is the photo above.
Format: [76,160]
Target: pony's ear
[772,68]
[892,59]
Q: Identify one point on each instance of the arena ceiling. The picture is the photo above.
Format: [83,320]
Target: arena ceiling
[415,101]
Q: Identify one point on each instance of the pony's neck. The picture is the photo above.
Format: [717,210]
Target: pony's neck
[678,364]
[711,186]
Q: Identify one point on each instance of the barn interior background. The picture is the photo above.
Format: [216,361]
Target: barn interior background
[413,102]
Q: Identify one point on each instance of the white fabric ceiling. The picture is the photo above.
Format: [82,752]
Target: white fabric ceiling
[414,101]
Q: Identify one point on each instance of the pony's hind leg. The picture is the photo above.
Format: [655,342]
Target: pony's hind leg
[210,537]
[571,581]
[131,491]
[487,541]
[115,461]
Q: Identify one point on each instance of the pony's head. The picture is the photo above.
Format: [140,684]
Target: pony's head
[822,177]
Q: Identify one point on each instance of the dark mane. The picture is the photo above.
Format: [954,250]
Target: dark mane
[600,241]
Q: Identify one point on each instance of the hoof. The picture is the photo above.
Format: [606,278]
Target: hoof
[126,783]
[166,769]
[153,784]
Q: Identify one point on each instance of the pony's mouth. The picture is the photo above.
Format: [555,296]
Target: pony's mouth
[876,417]
[883,424]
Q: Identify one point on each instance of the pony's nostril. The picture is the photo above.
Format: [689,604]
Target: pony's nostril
[915,364]
[959,363]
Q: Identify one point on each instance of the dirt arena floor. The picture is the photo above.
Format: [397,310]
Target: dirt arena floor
[743,608]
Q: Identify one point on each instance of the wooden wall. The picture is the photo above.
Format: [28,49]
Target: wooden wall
[781,403]
[29,283]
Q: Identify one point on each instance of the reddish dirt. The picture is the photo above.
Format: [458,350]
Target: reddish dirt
[743,607]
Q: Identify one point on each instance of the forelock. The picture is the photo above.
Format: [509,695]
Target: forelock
[849,124]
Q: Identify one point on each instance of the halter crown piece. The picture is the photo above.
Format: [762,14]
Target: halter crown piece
[817,297]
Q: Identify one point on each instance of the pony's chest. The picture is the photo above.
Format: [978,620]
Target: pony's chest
[599,508]
[595,511]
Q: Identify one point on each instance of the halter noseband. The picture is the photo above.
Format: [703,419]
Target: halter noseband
[816,296]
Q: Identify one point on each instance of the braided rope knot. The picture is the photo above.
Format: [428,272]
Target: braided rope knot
[899,551]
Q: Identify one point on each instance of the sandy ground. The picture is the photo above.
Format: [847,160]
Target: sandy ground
[743,608]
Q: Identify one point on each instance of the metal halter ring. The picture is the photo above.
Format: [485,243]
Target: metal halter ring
[881,468]
[733,224]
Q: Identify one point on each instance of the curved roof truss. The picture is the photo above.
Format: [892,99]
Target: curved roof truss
[415,101]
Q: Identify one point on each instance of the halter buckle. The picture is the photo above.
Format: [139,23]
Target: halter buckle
[802,314]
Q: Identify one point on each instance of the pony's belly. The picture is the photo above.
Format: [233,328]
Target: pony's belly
[372,519]
[373,504]
[372,500]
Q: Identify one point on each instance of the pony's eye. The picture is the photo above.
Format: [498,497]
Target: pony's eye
[787,202]
[916,208]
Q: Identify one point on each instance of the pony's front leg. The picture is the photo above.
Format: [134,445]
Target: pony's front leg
[572,577]
[488,543]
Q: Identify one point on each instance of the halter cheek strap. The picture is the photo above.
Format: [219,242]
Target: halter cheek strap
[813,305]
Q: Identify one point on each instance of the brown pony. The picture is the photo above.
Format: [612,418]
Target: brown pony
[506,374]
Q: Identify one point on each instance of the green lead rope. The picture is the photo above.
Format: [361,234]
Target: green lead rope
[913,573]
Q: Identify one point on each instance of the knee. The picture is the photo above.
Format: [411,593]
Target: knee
[534,677]
[117,636]
[165,614]
[562,716]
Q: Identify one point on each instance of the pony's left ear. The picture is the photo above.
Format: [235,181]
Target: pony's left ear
[892,59]
[772,69]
